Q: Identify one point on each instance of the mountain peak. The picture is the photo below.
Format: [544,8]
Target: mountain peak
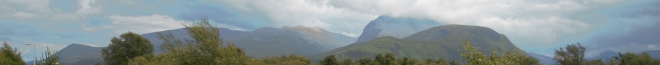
[398,27]
[303,28]
[314,32]
[77,45]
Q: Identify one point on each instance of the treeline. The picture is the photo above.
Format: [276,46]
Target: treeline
[573,54]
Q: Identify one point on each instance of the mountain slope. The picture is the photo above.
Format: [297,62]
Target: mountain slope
[437,42]
[605,55]
[545,60]
[78,54]
[395,27]
[299,40]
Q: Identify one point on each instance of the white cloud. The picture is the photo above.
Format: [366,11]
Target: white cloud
[350,34]
[307,13]
[85,8]
[141,24]
[94,45]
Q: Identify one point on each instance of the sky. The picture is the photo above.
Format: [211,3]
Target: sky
[537,26]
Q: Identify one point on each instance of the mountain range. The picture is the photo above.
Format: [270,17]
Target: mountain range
[437,42]
[409,37]
[287,40]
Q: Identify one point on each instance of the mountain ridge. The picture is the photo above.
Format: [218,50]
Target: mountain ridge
[290,40]
[433,43]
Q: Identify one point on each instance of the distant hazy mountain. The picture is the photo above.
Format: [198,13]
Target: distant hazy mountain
[437,42]
[609,54]
[605,55]
[395,27]
[182,33]
[269,41]
[545,60]
[78,54]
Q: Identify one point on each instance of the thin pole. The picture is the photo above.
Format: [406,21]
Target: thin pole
[35,54]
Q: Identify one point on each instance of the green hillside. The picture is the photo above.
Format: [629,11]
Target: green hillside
[437,42]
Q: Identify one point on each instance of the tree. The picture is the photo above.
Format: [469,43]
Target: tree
[595,62]
[572,54]
[380,59]
[347,61]
[49,58]
[474,57]
[389,59]
[634,59]
[329,60]
[10,56]
[128,46]
[287,60]
[442,61]
[367,61]
[408,61]
[161,59]
[452,62]
[205,47]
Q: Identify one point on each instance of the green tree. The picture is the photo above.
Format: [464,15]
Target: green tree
[452,62]
[595,62]
[10,56]
[347,61]
[408,61]
[380,59]
[205,48]
[389,59]
[49,58]
[367,61]
[572,54]
[634,59]
[474,57]
[160,59]
[128,46]
[441,61]
[329,60]
[287,60]
[428,61]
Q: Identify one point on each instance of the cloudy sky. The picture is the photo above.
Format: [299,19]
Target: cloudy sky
[537,26]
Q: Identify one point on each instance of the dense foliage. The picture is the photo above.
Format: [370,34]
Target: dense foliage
[128,46]
[10,56]
[573,54]
[472,56]
[570,55]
